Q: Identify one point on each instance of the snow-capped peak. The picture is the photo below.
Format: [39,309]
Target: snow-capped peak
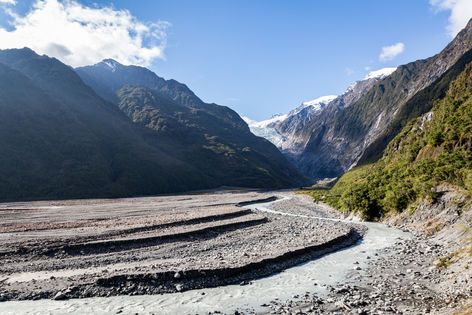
[110,63]
[265,128]
[320,100]
[264,123]
[248,120]
[381,73]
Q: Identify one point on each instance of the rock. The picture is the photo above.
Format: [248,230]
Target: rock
[60,296]
[342,290]
[177,275]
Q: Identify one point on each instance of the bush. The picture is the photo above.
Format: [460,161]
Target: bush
[436,138]
[415,162]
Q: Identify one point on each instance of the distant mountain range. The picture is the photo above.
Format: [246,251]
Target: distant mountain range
[290,132]
[110,130]
[334,135]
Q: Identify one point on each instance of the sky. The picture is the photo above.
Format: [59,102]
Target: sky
[260,57]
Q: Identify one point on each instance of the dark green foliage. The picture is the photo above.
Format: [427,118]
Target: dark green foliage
[70,143]
[419,104]
[424,154]
[61,140]
[436,138]
[210,137]
[231,157]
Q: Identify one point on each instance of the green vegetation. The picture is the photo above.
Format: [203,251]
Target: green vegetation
[204,138]
[446,261]
[429,151]
[60,140]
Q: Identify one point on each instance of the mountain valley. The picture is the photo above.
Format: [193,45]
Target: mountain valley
[124,192]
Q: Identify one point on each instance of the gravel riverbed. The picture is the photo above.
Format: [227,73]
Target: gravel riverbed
[314,262]
[63,250]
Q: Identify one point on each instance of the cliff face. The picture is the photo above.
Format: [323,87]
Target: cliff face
[326,137]
[292,132]
[359,132]
[430,152]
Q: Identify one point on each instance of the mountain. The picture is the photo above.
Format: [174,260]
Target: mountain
[266,130]
[62,140]
[429,158]
[423,182]
[277,128]
[359,132]
[291,132]
[210,137]
[355,128]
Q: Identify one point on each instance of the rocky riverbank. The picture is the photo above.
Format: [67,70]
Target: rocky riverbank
[398,280]
[388,272]
[154,245]
[431,273]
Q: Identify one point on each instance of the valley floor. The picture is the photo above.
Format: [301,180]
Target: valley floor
[245,251]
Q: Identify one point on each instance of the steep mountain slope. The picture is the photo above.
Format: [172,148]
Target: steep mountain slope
[431,152]
[60,140]
[423,183]
[292,132]
[284,130]
[212,138]
[420,103]
[339,140]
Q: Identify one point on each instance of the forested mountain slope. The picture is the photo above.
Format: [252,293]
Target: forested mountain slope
[210,137]
[431,151]
[345,136]
[62,140]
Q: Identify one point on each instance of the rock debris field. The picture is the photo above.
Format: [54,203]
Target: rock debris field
[151,245]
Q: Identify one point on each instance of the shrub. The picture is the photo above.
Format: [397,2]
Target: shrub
[417,160]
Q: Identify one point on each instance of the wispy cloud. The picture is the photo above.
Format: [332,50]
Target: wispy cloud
[390,52]
[8,2]
[460,13]
[80,35]
[348,71]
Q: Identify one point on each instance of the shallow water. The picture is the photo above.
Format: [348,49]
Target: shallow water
[327,270]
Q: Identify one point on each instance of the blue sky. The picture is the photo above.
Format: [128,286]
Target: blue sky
[263,57]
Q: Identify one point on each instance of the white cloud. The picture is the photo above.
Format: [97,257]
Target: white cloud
[79,35]
[390,52]
[460,13]
[8,2]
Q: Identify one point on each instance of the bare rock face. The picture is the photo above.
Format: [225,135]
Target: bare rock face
[326,140]
[359,124]
[294,132]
